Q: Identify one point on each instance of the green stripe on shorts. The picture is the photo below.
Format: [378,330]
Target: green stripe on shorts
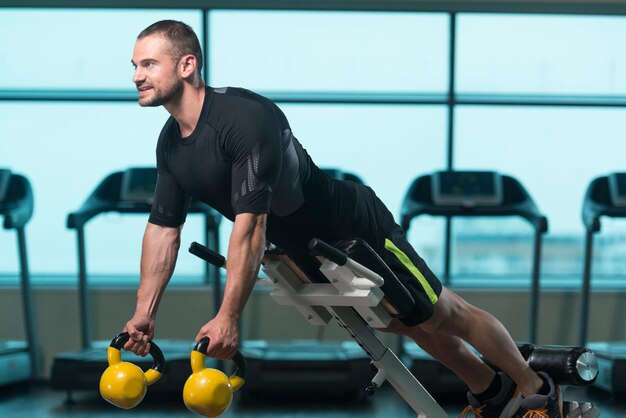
[389,245]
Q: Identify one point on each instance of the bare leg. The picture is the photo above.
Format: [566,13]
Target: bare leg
[454,320]
[452,352]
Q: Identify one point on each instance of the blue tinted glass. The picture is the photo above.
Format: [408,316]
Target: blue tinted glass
[485,248]
[555,153]
[60,48]
[541,54]
[66,149]
[329,51]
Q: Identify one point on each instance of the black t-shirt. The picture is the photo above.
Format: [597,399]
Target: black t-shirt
[243,158]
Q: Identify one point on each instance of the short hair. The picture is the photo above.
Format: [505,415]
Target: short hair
[181,37]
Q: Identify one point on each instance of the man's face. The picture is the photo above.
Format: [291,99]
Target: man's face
[155,71]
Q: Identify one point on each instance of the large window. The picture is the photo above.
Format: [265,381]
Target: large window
[56,49]
[555,152]
[66,149]
[366,92]
[329,51]
[528,54]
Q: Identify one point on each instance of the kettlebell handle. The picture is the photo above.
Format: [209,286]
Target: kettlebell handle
[156,353]
[241,368]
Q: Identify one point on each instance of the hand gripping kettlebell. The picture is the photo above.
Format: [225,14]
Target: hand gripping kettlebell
[209,392]
[124,384]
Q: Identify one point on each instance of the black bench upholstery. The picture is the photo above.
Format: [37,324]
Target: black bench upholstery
[394,290]
[396,295]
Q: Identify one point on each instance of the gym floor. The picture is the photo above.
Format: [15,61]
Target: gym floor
[42,402]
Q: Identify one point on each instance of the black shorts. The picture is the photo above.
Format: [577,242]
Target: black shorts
[371,221]
[389,241]
[413,272]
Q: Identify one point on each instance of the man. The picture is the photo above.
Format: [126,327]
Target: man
[235,151]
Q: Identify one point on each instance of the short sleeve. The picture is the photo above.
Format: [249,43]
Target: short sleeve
[170,204]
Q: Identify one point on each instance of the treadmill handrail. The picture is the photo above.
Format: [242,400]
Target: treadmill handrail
[593,209]
[18,207]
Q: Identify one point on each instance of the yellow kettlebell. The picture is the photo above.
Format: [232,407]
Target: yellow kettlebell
[124,384]
[209,392]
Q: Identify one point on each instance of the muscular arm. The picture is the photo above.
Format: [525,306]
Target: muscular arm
[158,258]
[245,251]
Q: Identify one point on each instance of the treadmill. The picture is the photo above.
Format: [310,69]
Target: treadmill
[18,359]
[605,196]
[452,194]
[306,367]
[125,192]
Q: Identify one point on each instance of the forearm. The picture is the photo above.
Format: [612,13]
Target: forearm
[158,259]
[245,252]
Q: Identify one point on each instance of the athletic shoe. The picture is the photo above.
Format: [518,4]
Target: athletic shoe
[542,406]
[503,405]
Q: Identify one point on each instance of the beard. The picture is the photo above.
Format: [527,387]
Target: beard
[161,97]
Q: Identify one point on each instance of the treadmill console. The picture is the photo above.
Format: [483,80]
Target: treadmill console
[5,176]
[617,189]
[466,188]
[138,185]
